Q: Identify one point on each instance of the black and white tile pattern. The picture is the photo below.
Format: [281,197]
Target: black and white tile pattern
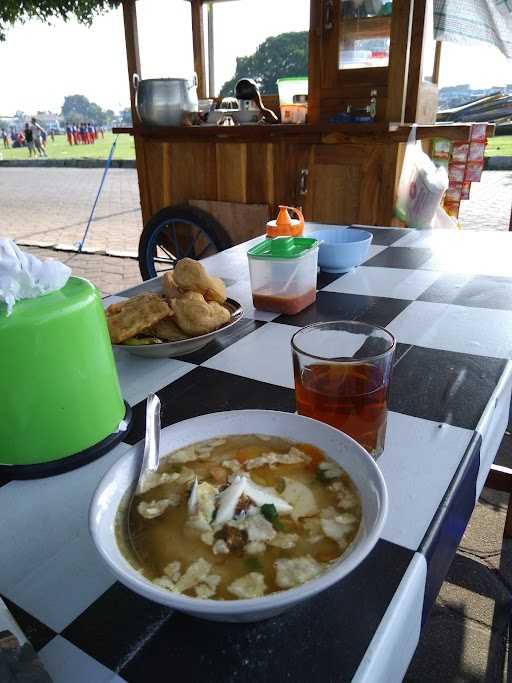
[447,297]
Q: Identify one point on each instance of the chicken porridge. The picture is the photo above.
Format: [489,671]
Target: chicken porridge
[240,517]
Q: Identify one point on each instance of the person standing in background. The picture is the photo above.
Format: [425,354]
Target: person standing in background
[102,132]
[5,138]
[37,134]
[29,141]
[69,133]
[52,134]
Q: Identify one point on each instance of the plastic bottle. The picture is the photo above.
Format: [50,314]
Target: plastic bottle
[284,225]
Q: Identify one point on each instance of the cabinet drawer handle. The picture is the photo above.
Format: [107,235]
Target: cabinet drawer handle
[303,181]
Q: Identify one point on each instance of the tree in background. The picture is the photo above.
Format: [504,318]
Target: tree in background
[78,108]
[12,11]
[277,57]
[109,117]
[126,116]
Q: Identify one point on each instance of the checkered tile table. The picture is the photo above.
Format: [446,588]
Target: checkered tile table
[447,296]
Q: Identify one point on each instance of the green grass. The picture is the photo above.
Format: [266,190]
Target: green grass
[499,147]
[60,149]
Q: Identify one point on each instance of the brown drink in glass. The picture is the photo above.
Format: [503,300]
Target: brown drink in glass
[342,372]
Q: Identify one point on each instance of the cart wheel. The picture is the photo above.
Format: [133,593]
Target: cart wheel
[176,232]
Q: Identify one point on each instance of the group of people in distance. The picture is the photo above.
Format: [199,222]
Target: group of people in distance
[33,136]
[83,133]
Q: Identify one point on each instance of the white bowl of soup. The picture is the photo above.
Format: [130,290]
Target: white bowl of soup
[250,512]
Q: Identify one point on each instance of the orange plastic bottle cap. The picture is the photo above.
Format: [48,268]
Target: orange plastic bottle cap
[284,225]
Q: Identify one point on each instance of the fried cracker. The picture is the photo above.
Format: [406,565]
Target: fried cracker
[135,315]
[195,316]
[171,289]
[114,308]
[191,276]
[167,329]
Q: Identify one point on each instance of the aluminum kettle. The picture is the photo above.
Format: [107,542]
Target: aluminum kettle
[166,101]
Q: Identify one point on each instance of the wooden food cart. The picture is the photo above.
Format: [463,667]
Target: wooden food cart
[230,180]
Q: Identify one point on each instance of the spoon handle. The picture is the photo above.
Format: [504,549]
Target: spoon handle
[152,441]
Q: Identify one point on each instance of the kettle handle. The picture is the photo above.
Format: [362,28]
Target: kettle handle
[135,81]
[194,81]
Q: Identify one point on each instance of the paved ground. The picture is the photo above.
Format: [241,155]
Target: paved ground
[490,202]
[51,207]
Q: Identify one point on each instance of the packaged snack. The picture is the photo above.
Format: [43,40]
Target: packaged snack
[453,193]
[466,187]
[476,151]
[456,172]
[479,132]
[474,170]
[441,148]
[460,152]
[452,208]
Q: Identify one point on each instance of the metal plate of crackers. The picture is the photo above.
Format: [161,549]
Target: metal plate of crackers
[185,316]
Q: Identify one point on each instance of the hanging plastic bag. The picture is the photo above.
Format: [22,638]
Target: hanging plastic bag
[421,187]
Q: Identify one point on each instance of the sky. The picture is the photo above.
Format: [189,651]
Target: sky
[40,64]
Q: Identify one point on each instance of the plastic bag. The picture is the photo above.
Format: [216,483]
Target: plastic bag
[421,187]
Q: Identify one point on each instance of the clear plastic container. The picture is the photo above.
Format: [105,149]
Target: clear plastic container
[294,113]
[283,274]
[288,87]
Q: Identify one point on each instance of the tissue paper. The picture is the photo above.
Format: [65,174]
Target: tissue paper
[23,276]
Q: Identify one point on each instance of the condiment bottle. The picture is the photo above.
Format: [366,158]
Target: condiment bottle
[283,274]
[284,225]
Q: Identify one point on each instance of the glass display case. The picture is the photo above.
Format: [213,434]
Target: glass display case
[364,33]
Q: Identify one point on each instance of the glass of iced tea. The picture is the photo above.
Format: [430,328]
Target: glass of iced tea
[342,371]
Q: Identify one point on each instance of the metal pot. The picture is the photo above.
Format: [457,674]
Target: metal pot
[165,101]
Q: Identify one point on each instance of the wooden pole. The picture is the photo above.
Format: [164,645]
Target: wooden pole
[398,70]
[437,62]
[415,71]
[132,48]
[198,46]
[314,65]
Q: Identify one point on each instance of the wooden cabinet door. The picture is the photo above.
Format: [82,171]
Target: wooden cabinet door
[290,160]
[352,183]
